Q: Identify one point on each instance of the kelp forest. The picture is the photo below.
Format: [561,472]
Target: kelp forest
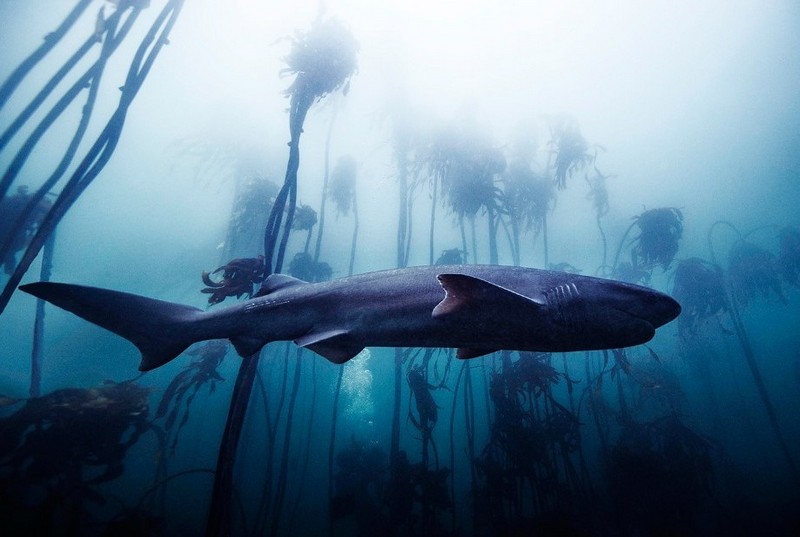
[693,433]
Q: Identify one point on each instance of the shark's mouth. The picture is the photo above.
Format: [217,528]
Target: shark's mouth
[635,328]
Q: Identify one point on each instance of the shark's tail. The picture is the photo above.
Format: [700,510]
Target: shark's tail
[161,330]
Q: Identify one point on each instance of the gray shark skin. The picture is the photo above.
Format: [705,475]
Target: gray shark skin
[477,309]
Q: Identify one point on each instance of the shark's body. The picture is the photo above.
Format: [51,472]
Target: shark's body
[475,308]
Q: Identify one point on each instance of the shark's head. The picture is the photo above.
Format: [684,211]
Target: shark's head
[602,314]
[553,312]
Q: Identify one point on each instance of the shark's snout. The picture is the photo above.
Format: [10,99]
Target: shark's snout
[663,310]
[652,306]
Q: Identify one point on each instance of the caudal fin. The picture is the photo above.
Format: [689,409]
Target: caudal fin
[161,330]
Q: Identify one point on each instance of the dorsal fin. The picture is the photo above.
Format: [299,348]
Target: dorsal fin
[467,294]
[276,282]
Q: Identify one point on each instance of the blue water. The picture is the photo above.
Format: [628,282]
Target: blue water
[679,117]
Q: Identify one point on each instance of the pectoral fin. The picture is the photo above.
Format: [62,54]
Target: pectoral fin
[467,295]
[336,346]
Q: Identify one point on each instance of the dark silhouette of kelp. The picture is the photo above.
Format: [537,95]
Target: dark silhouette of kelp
[453,256]
[660,231]
[50,41]
[570,148]
[56,449]
[305,218]
[789,256]
[322,60]
[359,483]
[462,163]
[14,209]
[342,187]
[102,149]
[425,412]
[699,288]
[598,194]
[202,371]
[305,268]
[528,467]
[527,198]
[752,271]
[404,500]
[342,191]
[252,205]
[659,474]
[28,219]
[238,278]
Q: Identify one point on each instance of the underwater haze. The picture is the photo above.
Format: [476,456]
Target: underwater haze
[185,151]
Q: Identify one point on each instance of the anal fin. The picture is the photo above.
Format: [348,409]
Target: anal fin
[465,353]
[336,346]
[247,346]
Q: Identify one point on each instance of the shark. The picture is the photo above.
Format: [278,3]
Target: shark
[476,309]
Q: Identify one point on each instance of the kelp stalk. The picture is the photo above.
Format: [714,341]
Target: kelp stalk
[103,148]
[323,59]
[752,363]
[37,354]
[50,41]
[325,176]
